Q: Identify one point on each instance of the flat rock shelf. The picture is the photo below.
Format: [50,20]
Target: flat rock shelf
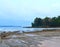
[35,39]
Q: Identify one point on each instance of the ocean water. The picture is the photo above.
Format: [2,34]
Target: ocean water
[22,29]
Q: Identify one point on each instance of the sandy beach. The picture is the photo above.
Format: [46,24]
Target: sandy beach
[32,39]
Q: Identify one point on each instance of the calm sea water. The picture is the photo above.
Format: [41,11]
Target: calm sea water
[22,29]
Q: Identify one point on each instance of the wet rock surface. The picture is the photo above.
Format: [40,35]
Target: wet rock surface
[30,41]
[24,41]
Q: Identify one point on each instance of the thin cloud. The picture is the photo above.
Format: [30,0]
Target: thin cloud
[27,10]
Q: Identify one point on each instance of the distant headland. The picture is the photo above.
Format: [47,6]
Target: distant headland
[46,22]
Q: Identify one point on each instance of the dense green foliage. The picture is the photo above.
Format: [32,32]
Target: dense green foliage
[46,22]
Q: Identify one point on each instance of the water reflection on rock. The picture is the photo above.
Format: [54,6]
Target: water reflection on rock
[25,41]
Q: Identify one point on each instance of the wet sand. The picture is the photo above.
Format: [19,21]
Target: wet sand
[33,39]
[54,42]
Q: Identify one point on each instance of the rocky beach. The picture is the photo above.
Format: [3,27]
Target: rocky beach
[45,38]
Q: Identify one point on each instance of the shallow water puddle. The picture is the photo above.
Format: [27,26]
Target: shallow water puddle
[31,35]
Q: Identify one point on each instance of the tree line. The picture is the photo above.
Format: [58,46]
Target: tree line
[46,22]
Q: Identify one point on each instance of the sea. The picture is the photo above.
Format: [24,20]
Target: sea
[7,29]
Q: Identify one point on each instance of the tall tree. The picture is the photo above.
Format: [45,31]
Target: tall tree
[37,22]
[47,21]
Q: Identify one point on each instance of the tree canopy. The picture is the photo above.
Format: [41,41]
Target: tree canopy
[46,22]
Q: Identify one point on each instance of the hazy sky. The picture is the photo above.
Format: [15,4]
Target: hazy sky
[22,12]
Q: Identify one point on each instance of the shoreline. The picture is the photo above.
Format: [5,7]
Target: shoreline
[5,34]
[31,39]
[41,27]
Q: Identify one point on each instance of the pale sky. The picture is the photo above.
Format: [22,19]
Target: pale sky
[22,12]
